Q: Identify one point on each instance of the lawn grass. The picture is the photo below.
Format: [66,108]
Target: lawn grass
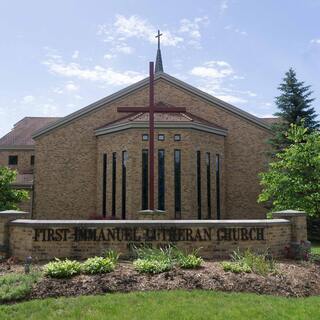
[315,248]
[167,305]
[16,286]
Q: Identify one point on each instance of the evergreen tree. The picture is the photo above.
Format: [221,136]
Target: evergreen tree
[294,105]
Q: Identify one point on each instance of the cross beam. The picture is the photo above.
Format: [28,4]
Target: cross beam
[151,110]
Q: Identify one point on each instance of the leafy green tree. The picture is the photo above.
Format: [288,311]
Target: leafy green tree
[9,197]
[294,104]
[293,179]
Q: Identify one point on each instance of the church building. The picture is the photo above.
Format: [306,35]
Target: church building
[94,163]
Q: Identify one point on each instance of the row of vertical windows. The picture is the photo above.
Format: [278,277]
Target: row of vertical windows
[161,180]
[208,183]
[124,183]
[208,167]
[199,183]
[177,183]
[145,179]
[114,184]
[104,185]
[13,160]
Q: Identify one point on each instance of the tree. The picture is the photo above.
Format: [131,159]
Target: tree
[294,105]
[293,179]
[9,197]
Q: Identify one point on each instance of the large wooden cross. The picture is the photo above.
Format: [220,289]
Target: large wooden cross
[151,110]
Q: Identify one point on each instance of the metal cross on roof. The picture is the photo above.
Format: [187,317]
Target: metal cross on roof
[151,110]
[158,36]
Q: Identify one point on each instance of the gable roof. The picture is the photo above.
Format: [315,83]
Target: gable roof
[164,119]
[21,134]
[145,82]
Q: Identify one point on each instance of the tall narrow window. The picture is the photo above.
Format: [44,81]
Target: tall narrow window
[161,180]
[208,165]
[104,184]
[144,176]
[124,183]
[114,183]
[32,160]
[177,183]
[199,183]
[218,164]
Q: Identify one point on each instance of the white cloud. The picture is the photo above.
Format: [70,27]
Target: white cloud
[213,69]
[232,99]
[109,56]
[224,5]
[95,74]
[315,41]
[192,29]
[28,99]
[75,54]
[70,86]
[236,30]
[215,77]
[123,48]
[135,27]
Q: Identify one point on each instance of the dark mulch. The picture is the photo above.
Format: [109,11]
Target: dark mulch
[293,279]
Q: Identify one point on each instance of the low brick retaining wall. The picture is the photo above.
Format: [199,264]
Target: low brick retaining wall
[79,239]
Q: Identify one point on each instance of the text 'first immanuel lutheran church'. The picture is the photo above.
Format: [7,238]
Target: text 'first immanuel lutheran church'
[158,144]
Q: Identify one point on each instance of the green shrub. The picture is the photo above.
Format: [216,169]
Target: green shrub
[249,261]
[159,260]
[187,261]
[16,286]
[154,260]
[98,265]
[152,265]
[235,267]
[112,255]
[190,261]
[62,268]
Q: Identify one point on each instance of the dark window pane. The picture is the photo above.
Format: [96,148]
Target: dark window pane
[145,137]
[144,178]
[124,182]
[218,164]
[199,183]
[32,160]
[13,160]
[114,183]
[104,185]
[208,165]
[177,183]
[161,180]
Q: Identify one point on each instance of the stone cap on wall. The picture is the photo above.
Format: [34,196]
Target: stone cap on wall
[289,213]
[11,213]
[157,223]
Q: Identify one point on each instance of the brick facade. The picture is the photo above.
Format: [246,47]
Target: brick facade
[68,166]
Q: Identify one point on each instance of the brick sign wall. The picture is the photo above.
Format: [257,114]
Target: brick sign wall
[45,240]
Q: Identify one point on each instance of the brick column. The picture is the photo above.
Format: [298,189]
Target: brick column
[5,218]
[299,236]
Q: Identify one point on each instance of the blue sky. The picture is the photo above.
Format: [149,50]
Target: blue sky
[58,56]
